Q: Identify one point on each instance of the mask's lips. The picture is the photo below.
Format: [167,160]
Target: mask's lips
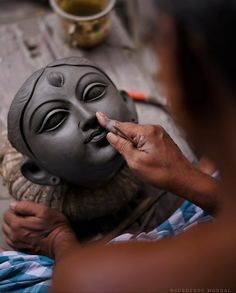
[96,136]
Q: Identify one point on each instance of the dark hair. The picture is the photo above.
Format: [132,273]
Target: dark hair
[214,22]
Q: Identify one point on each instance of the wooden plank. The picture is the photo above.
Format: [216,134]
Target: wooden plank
[22,51]
[15,10]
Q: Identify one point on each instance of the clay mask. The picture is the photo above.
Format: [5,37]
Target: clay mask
[59,133]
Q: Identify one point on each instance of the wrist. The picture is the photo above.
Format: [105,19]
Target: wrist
[199,188]
[183,178]
[63,240]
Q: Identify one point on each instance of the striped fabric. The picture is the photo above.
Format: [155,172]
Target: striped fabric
[21,273]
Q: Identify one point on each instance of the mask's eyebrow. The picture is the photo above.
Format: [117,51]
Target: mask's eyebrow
[90,73]
[42,105]
[99,75]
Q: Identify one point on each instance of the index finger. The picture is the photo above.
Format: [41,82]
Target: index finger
[27,208]
[130,129]
[11,218]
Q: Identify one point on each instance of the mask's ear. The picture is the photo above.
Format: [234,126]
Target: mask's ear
[36,174]
[131,106]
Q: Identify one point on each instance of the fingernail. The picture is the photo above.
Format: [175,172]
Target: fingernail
[102,118]
[101,114]
[112,138]
[13,205]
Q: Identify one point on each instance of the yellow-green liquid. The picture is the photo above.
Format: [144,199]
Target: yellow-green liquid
[83,7]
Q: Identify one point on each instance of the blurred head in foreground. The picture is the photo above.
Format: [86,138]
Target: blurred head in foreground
[195,43]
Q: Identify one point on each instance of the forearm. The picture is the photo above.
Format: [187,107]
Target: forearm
[199,188]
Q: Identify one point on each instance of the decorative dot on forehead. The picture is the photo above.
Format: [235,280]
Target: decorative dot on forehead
[55,79]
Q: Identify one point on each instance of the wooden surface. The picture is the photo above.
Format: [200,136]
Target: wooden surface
[17,10]
[25,46]
[28,45]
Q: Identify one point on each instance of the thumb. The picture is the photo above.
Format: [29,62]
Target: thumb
[26,208]
[123,146]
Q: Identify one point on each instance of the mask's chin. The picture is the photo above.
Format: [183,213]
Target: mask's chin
[97,175]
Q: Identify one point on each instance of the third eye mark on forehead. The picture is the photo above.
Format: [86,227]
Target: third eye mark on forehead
[56,79]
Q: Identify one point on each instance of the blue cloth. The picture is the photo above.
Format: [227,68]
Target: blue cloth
[22,273]
[184,217]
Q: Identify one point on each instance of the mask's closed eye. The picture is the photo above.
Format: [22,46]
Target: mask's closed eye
[94,91]
[53,120]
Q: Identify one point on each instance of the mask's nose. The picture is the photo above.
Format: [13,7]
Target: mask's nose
[89,120]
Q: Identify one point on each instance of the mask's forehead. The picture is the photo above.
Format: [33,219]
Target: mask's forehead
[60,83]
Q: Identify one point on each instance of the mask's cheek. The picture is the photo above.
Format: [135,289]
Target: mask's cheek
[62,147]
[119,111]
[126,111]
[113,105]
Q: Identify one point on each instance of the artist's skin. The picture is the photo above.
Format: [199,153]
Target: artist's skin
[204,256]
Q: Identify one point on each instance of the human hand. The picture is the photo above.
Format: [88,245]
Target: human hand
[37,229]
[153,155]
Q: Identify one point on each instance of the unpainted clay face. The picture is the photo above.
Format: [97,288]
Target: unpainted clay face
[61,129]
